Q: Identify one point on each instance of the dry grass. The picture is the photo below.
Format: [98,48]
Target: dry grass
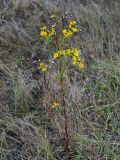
[27,129]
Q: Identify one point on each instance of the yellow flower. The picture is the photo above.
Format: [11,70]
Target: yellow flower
[67,33]
[55,105]
[71,29]
[64,31]
[52,32]
[78,59]
[56,55]
[63,52]
[43,67]
[74,60]
[59,53]
[72,22]
[75,52]
[81,65]
[74,29]
[68,51]
[43,34]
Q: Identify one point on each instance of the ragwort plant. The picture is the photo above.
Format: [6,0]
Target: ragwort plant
[57,39]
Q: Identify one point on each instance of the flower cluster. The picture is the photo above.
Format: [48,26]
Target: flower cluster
[68,32]
[55,105]
[47,34]
[71,29]
[43,67]
[73,53]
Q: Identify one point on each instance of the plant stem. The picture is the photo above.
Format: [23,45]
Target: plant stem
[64,109]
